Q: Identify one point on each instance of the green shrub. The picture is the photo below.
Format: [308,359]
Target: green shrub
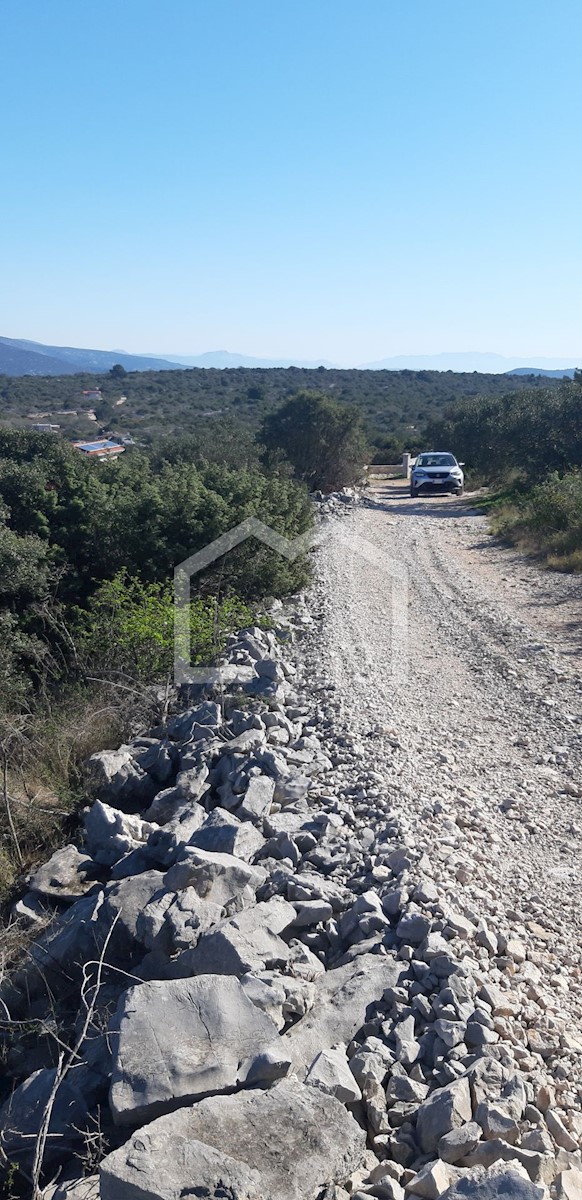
[129,628]
[548,521]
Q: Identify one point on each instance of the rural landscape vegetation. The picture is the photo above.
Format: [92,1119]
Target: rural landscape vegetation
[290,631]
[88,548]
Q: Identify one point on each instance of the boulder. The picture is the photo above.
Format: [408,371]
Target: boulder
[407,1045]
[168,803]
[330,1072]
[158,758]
[311,912]
[413,928]
[569,1185]
[246,942]
[432,1180]
[171,923]
[502,1181]
[342,998]
[257,799]
[179,1040]
[221,878]
[447,1108]
[165,845]
[21,1115]
[67,875]
[223,833]
[123,902]
[292,1140]
[496,1122]
[56,958]
[459,1142]
[110,834]
[114,776]
[281,996]
[192,724]
[560,1134]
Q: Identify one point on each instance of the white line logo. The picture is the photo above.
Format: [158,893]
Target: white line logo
[185,672]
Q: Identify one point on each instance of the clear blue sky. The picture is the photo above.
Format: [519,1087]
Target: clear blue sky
[293,177]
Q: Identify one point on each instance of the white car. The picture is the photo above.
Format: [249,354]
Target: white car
[437,470]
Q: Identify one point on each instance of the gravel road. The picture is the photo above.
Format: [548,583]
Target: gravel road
[474,725]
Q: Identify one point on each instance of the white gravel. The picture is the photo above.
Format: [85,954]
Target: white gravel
[481,746]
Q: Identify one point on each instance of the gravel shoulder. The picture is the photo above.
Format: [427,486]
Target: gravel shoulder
[481,745]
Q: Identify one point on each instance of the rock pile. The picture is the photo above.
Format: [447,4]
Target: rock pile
[277,997]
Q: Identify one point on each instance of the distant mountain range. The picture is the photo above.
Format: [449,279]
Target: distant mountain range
[488,364]
[21,357]
[223,358]
[566,373]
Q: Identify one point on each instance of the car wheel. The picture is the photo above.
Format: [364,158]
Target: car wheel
[458,491]
[414,493]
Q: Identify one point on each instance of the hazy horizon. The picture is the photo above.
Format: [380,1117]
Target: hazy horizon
[484,361]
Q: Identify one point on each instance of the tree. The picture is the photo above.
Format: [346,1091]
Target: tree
[118,371]
[324,441]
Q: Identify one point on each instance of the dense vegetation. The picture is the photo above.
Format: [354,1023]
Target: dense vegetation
[529,448]
[87,549]
[87,552]
[395,405]
[322,440]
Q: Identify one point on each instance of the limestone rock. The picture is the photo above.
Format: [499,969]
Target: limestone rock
[501,1182]
[459,1142]
[330,1072]
[191,724]
[342,998]
[292,1141]
[257,799]
[223,833]
[432,1180]
[123,902]
[115,777]
[569,1185]
[110,834]
[558,1130]
[67,875]
[221,878]
[22,1113]
[445,1109]
[182,1039]
[246,942]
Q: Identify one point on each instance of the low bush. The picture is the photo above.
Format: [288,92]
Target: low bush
[547,521]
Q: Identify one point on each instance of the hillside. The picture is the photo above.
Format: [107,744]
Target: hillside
[565,373]
[393,403]
[21,357]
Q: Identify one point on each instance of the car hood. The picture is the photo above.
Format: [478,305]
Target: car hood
[435,470]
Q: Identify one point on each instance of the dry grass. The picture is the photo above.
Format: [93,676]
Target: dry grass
[545,522]
[44,783]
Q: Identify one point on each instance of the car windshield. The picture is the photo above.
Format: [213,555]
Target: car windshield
[435,460]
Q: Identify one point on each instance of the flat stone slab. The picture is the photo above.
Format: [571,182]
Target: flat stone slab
[181,1039]
[342,997]
[292,1141]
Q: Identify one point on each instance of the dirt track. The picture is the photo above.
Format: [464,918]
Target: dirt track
[487,726]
